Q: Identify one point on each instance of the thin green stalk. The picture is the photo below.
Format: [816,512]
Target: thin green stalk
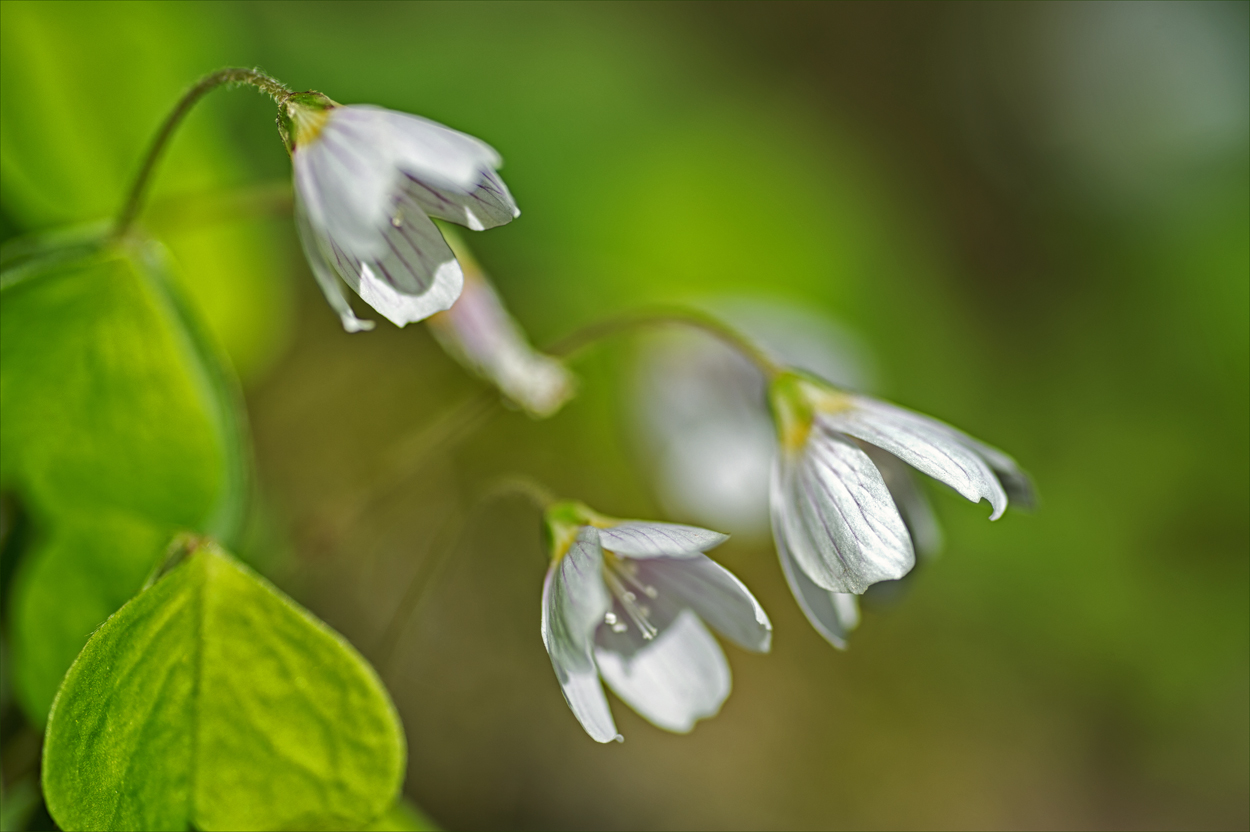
[408,456]
[659,316]
[231,75]
[443,545]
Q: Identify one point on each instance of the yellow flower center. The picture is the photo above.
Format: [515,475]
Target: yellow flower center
[308,123]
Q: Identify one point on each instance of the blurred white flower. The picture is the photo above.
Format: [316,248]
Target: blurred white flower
[702,414]
[479,333]
[367,182]
[837,526]
[627,601]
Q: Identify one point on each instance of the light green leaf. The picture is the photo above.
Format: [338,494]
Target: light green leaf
[72,138]
[108,399]
[118,426]
[213,700]
[81,573]
[403,817]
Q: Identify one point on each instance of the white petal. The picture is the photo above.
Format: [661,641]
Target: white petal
[479,333]
[330,285]
[643,539]
[678,679]
[584,693]
[346,178]
[1014,481]
[716,594]
[926,444]
[840,520]
[912,503]
[416,274]
[574,601]
[486,204]
[833,614]
[431,151]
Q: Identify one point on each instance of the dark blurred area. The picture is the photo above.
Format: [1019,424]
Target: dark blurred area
[1035,216]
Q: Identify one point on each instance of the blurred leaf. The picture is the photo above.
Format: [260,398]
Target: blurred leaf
[82,95]
[214,700]
[117,427]
[109,400]
[402,817]
[80,575]
[19,803]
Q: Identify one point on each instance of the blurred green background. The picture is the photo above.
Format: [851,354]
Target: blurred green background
[1037,216]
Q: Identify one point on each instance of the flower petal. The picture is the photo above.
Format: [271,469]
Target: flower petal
[913,505]
[433,152]
[833,614]
[678,679]
[346,177]
[584,693]
[574,601]
[479,333]
[644,539]
[839,519]
[486,204]
[330,285]
[925,444]
[416,274]
[716,594]
[1015,482]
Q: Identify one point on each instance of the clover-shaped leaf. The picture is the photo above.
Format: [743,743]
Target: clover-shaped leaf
[212,700]
[118,425]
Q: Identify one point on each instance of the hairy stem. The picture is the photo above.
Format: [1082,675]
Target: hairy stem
[231,75]
[659,316]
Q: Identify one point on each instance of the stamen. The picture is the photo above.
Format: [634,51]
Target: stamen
[614,570]
[615,623]
[629,571]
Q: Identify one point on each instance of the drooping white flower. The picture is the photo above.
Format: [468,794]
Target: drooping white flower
[628,601]
[837,526]
[703,413]
[367,182]
[479,333]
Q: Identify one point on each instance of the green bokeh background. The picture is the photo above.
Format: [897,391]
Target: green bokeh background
[1036,216]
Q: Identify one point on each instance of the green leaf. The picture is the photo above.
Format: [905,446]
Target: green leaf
[118,426]
[72,138]
[403,817]
[213,700]
[108,399]
[70,582]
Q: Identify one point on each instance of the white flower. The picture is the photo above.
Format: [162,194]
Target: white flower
[701,409]
[367,182]
[627,600]
[837,526]
[479,333]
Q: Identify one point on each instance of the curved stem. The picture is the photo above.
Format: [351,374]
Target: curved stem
[231,75]
[444,544]
[406,457]
[531,489]
[681,316]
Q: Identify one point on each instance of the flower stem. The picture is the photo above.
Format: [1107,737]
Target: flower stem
[231,75]
[405,458]
[444,543]
[679,315]
[538,494]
